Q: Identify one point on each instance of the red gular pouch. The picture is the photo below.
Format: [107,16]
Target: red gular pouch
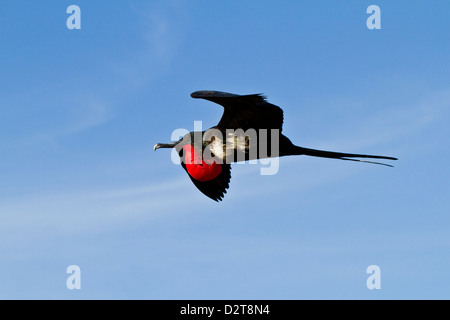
[198,168]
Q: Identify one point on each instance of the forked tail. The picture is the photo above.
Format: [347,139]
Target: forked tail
[339,155]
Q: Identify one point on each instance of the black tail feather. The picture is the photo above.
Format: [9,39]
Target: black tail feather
[339,155]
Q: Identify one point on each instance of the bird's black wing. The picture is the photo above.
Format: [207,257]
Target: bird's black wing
[216,188]
[244,111]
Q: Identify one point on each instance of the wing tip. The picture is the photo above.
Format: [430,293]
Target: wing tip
[204,94]
[215,189]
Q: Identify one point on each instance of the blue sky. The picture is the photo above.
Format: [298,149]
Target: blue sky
[81,185]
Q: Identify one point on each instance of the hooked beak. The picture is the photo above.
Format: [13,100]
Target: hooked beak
[165,145]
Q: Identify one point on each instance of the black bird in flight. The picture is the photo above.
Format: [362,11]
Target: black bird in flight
[250,127]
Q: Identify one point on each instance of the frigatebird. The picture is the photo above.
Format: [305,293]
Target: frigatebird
[206,156]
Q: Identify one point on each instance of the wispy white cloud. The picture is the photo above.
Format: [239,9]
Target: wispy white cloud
[94,114]
[161,29]
[44,215]
[391,125]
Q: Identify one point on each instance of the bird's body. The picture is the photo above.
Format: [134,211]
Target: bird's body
[250,129]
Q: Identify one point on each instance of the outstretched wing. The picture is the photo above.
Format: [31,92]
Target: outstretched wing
[244,111]
[216,188]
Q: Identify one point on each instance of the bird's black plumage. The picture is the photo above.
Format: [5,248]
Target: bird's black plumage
[248,112]
[216,188]
[244,111]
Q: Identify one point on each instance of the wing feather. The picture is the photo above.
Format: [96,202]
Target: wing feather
[244,111]
[216,188]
